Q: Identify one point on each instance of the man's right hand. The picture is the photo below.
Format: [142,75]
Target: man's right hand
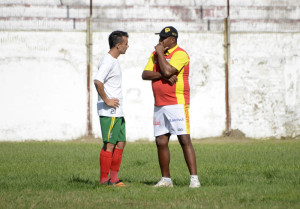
[112,103]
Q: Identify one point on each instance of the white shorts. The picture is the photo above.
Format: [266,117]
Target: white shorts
[173,119]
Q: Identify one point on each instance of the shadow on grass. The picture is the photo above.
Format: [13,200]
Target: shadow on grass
[85,182]
[77,180]
[146,182]
[149,183]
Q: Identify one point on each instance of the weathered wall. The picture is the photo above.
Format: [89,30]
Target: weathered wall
[43,84]
[265,84]
[140,15]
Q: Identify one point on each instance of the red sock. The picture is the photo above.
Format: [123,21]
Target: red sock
[105,163]
[115,165]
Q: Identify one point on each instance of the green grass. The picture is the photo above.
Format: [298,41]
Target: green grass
[233,174]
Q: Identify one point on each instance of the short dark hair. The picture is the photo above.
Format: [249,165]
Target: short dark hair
[116,37]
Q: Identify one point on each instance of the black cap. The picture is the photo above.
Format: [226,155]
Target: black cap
[168,31]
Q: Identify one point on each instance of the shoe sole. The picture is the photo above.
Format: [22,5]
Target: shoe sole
[120,186]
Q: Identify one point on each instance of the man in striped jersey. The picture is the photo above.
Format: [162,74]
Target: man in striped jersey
[168,69]
[108,82]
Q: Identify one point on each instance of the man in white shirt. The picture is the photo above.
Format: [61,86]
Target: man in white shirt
[108,82]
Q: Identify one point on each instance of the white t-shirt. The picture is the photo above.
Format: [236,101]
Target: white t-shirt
[109,73]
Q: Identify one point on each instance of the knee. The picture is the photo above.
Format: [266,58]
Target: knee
[161,143]
[120,145]
[108,147]
[185,142]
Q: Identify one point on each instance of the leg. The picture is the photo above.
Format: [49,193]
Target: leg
[189,153]
[109,147]
[120,145]
[116,161]
[119,134]
[105,161]
[163,154]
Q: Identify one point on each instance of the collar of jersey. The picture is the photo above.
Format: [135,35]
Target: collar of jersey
[171,50]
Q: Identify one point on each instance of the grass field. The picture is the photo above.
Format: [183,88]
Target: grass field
[233,174]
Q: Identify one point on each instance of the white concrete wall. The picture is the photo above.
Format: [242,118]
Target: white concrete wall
[154,2]
[265,84]
[43,84]
[176,2]
[140,15]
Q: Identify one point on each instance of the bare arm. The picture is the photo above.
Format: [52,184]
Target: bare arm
[167,70]
[109,102]
[150,75]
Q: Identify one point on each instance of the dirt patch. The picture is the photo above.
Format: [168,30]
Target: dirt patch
[235,133]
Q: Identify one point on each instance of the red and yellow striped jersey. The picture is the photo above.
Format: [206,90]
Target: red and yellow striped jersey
[164,92]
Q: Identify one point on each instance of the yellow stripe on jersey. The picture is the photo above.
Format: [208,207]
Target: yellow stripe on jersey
[178,61]
[111,127]
[187,118]
[180,88]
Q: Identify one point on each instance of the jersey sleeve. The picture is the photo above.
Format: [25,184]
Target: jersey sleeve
[150,63]
[179,60]
[103,71]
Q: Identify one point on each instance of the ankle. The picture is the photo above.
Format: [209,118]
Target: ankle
[167,179]
[194,177]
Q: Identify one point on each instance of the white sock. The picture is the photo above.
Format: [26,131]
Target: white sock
[167,179]
[194,177]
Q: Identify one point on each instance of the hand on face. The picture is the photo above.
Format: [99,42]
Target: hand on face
[159,48]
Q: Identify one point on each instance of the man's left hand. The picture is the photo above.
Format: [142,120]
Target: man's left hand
[173,79]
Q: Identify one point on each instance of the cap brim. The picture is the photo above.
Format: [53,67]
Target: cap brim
[162,35]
